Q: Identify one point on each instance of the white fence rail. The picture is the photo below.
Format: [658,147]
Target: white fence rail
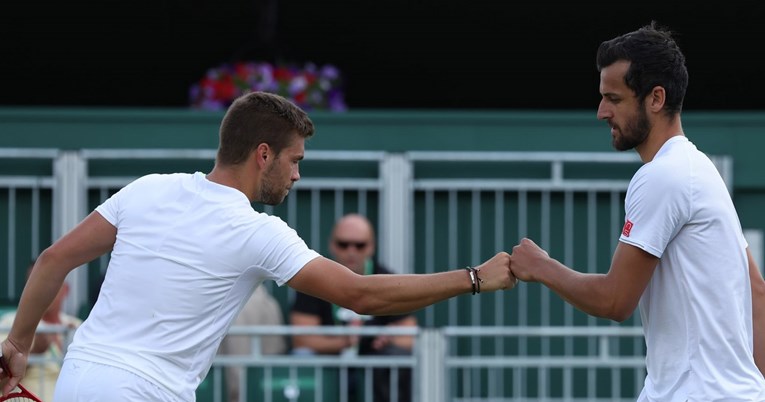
[434,211]
[439,373]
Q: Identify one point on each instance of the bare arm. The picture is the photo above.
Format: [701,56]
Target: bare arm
[758,312]
[321,344]
[613,295]
[395,293]
[93,237]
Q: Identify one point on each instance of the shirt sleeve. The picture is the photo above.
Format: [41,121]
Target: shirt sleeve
[112,207]
[109,209]
[285,252]
[656,207]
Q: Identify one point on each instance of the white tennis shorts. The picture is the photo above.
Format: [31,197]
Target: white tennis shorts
[83,381]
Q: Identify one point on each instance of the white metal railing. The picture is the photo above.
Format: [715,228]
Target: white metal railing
[449,212]
[435,365]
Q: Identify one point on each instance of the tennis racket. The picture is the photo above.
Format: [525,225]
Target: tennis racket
[18,394]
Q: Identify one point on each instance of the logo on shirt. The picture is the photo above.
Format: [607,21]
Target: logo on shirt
[627,228]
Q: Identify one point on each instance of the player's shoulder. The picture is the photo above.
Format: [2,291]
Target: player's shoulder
[669,166]
[660,180]
[161,179]
[273,223]
[149,183]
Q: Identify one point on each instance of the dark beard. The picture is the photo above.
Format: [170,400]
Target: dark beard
[634,133]
[269,195]
[270,198]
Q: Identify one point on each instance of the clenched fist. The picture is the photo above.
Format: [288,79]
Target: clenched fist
[495,273]
[526,259]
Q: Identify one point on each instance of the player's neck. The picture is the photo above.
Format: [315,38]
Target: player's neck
[660,133]
[234,177]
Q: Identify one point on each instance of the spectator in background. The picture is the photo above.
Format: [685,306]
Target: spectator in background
[352,244]
[261,309]
[41,377]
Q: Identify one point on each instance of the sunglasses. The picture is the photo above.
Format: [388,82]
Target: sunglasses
[342,244]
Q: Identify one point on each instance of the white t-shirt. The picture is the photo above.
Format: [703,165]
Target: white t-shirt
[697,308]
[188,255]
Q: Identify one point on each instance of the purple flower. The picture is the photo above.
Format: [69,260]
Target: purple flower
[310,87]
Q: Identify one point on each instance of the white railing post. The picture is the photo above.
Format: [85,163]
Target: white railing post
[69,202]
[395,213]
[431,366]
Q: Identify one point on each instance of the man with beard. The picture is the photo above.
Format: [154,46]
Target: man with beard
[187,251]
[682,255]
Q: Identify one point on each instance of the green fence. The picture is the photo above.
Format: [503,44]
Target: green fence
[461,209]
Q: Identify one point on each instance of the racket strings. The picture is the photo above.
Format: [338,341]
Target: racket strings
[18,395]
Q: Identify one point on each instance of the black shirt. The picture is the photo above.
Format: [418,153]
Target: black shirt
[328,313]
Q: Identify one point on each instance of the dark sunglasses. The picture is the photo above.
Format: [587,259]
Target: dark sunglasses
[360,245]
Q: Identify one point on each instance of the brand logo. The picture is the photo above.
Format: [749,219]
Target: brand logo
[627,228]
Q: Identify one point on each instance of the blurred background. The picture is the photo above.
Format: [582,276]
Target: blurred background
[456,127]
[394,54]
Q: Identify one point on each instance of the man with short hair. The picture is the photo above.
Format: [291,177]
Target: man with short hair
[187,251]
[681,255]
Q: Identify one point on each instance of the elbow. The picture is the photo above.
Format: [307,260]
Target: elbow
[365,303]
[355,300]
[620,316]
[619,312]
[49,254]
[46,258]
[361,298]
[362,305]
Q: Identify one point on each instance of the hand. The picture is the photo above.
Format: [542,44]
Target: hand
[381,341]
[495,273]
[16,361]
[526,258]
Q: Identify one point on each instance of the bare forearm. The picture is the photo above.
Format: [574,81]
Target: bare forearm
[614,295]
[758,312]
[41,289]
[587,292]
[397,294]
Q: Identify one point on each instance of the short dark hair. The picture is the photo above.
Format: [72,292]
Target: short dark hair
[655,60]
[256,118]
